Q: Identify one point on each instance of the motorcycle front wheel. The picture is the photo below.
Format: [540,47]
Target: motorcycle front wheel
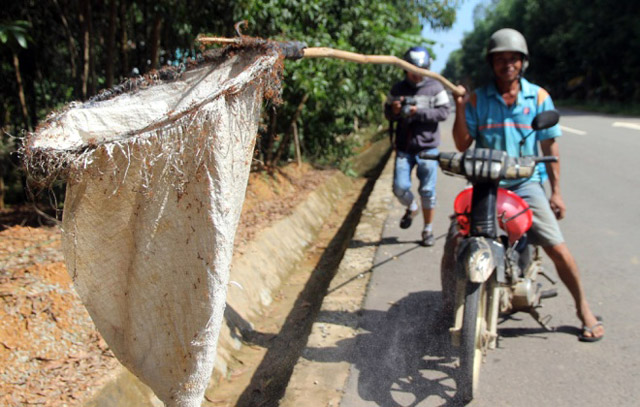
[448,272]
[474,325]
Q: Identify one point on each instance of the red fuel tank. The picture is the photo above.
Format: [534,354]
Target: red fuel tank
[514,215]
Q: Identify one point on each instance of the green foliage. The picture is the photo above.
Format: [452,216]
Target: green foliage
[340,93]
[10,174]
[582,49]
[15,34]
[70,49]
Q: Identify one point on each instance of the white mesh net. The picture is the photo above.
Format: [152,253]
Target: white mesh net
[156,178]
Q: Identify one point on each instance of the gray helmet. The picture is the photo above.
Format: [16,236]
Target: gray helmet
[509,40]
[418,56]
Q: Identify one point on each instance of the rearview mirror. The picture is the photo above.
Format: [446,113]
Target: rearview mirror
[545,120]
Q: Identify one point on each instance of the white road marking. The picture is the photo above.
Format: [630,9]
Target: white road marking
[574,131]
[628,125]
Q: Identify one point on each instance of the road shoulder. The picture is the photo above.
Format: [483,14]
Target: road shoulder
[321,372]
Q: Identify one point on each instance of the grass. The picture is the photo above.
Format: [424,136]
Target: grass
[616,108]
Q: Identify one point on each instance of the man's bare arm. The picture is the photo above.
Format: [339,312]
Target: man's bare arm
[460,132]
[551,147]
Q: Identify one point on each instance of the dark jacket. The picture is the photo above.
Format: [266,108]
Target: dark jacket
[420,131]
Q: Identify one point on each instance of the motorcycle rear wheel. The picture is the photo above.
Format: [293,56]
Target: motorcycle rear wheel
[474,325]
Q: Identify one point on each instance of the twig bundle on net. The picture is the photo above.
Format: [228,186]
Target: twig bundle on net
[156,175]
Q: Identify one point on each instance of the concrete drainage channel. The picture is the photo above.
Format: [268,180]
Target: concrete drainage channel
[342,274]
[321,372]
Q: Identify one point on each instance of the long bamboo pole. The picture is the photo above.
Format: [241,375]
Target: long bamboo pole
[323,52]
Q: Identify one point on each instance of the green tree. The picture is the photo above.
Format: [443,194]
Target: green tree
[15,36]
[338,96]
[583,49]
[79,47]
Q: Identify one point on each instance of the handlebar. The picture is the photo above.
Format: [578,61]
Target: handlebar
[546,159]
[483,164]
[429,156]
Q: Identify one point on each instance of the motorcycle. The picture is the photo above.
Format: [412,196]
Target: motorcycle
[488,269]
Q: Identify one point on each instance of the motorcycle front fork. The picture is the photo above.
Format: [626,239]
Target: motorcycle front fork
[456,329]
[490,334]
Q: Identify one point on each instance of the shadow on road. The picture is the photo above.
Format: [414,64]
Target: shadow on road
[402,356]
[387,241]
[383,242]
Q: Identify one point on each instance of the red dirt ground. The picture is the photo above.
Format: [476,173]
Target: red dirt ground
[50,352]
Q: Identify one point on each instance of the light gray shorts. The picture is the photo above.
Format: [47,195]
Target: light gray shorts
[545,230]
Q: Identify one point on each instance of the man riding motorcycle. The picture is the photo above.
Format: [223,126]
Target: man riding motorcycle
[498,116]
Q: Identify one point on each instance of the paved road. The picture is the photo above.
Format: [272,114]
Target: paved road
[403,356]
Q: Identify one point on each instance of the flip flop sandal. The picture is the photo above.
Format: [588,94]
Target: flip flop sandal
[589,329]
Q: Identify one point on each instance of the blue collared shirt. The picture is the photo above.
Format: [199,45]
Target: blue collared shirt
[493,124]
